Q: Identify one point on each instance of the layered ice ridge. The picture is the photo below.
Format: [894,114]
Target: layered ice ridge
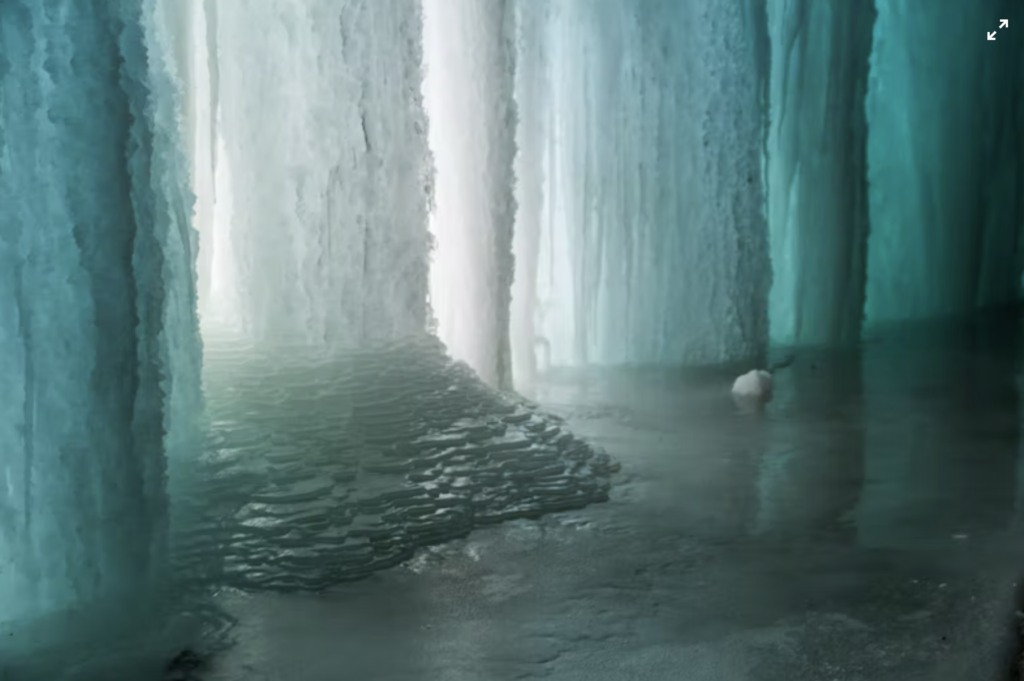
[325,469]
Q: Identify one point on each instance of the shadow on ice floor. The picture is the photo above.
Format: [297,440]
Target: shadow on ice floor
[865,527]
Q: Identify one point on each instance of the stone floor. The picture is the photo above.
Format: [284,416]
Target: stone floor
[865,527]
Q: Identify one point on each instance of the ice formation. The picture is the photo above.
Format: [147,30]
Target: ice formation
[945,159]
[653,244]
[340,466]
[816,156]
[468,86]
[532,90]
[602,182]
[100,351]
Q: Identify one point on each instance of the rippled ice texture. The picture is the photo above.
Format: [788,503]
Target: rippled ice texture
[326,469]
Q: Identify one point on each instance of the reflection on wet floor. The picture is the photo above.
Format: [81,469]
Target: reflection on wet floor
[865,526]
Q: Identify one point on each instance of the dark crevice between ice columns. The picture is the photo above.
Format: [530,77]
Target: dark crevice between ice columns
[321,471]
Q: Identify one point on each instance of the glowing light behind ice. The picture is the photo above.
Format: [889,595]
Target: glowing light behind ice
[468,86]
[318,108]
[200,141]
[532,93]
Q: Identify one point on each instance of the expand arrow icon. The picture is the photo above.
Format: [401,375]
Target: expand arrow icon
[991,35]
[1003,23]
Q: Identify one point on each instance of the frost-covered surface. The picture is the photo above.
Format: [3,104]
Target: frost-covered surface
[945,158]
[99,352]
[322,169]
[468,88]
[325,469]
[654,245]
[817,168]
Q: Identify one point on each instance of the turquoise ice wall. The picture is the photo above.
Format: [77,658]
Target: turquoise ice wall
[816,147]
[99,346]
[945,158]
[894,162]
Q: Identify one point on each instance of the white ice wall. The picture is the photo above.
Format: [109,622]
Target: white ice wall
[318,235]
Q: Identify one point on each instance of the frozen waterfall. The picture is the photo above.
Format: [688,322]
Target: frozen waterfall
[653,245]
[817,159]
[468,85]
[321,174]
[945,160]
[99,341]
[269,269]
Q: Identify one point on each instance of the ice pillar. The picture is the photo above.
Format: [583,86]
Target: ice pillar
[817,168]
[945,162]
[98,345]
[654,243]
[321,173]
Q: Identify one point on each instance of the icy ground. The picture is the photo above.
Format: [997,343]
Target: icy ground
[864,528]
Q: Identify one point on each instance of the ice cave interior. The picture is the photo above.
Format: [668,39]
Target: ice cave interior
[393,339]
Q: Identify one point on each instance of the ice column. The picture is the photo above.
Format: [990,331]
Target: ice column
[98,345]
[654,243]
[817,168]
[945,161]
[469,88]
